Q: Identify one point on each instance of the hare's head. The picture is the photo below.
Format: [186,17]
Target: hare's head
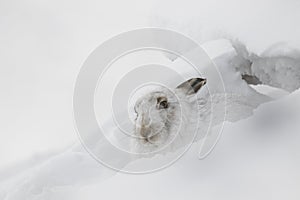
[158,113]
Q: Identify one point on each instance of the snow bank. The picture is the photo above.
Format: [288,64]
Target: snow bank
[63,173]
[278,66]
[257,158]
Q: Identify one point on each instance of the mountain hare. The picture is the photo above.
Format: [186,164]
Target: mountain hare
[162,116]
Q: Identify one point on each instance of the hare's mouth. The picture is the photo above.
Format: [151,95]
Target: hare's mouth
[150,139]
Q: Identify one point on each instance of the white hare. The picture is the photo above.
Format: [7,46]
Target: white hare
[162,115]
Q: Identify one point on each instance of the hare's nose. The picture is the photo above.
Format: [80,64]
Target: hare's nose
[143,126]
[145,121]
[144,132]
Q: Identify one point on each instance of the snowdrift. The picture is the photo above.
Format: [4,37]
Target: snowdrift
[63,173]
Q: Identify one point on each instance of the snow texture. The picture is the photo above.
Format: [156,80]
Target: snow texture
[64,172]
[257,156]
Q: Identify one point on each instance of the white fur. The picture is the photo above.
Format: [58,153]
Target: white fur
[170,128]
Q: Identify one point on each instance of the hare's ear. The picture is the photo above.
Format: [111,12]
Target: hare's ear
[192,86]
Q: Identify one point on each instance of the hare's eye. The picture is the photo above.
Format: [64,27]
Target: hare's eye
[163,105]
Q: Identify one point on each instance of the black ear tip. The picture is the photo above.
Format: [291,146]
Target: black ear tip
[197,83]
[192,85]
[201,81]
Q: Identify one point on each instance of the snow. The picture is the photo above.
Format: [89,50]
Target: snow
[257,156]
[63,173]
[265,34]
[278,66]
[258,160]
